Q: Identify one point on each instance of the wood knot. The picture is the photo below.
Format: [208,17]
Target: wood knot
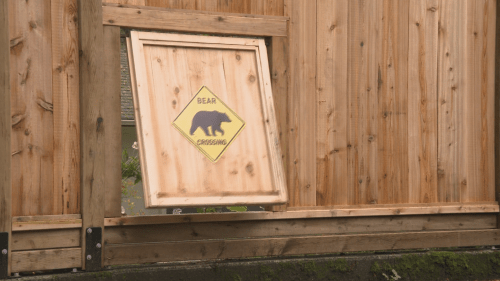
[111,21]
[220,19]
[251,78]
[238,57]
[139,12]
[99,123]
[45,105]
[332,27]
[32,24]
[249,168]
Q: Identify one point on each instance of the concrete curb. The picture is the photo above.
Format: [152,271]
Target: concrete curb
[430,265]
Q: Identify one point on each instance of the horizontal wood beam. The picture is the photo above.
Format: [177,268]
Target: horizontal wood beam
[299,227]
[46,259]
[193,21]
[241,248]
[330,213]
[46,222]
[46,239]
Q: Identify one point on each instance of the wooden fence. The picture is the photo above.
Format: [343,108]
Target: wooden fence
[386,109]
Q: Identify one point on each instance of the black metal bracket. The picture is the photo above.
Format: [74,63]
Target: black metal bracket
[93,249]
[4,255]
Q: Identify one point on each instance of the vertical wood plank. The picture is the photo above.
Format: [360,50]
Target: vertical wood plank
[480,103]
[238,6]
[497,110]
[302,104]
[278,60]
[65,77]
[392,137]
[332,110]
[5,129]
[274,7]
[32,108]
[422,102]
[127,2]
[112,115]
[451,96]
[486,79]
[206,5]
[92,115]
[364,45]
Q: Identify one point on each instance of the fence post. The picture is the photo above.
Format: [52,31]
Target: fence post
[5,149]
[92,124]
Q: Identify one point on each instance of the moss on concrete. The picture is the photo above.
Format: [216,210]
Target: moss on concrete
[439,266]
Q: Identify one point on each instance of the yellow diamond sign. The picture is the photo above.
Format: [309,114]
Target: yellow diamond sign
[209,124]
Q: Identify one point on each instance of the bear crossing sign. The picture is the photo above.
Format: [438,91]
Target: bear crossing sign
[209,124]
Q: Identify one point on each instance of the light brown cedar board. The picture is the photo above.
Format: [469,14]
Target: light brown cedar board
[167,76]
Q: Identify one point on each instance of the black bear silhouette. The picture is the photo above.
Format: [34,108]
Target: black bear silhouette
[205,119]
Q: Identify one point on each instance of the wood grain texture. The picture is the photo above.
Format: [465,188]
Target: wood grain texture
[5,129]
[112,115]
[364,45]
[238,177]
[278,59]
[127,2]
[46,259]
[46,239]
[256,7]
[65,79]
[302,103]
[273,228]
[46,222]
[451,90]
[331,134]
[192,21]
[238,248]
[497,110]
[480,102]
[92,122]
[392,92]
[422,103]
[31,108]
[303,212]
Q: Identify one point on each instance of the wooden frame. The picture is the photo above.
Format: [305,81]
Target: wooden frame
[150,148]
[193,21]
